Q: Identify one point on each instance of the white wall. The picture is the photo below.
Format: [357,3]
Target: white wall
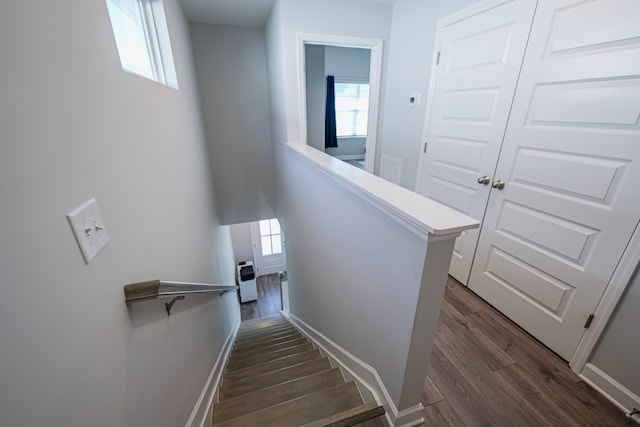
[618,350]
[231,69]
[316,95]
[356,18]
[242,242]
[347,62]
[73,125]
[413,34]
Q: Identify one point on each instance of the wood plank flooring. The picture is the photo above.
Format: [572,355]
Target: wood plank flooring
[486,371]
[268,302]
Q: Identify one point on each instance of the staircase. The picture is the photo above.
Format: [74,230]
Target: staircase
[275,377]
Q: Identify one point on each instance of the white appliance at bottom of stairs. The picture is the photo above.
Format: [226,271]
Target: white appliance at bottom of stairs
[247,281]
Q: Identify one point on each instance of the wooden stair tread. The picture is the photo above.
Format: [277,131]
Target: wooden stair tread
[302,410]
[251,353]
[274,377]
[272,326]
[263,329]
[262,343]
[266,330]
[246,362]
[230,408]
[350,417]
[241,337]
[262,322]
[258,382]
[262,340]
[271,365]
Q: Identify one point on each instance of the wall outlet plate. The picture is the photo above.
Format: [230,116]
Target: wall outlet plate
[89,229]
[414,99]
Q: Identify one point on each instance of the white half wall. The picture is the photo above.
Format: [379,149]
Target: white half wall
[363,274]
[336,289]
[74,125]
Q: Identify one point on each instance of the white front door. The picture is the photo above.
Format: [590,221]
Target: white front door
[570,161]
[480,56]
[268,247]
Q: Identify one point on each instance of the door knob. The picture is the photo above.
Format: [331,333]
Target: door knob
[484,180]
[498,184]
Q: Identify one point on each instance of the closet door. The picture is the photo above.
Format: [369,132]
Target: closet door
[481,51]
[570,161]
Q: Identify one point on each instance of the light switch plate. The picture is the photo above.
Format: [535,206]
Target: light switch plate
[89,229]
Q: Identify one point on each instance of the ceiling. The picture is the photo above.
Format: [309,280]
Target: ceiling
[241,13]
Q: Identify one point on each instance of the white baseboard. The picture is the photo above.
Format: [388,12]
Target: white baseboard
[201,415]
[363,374]
[618,394]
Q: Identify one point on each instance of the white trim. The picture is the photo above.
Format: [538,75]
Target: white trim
[442,23]
[365,375]
[375,72]
[620,279]
[424,217]
[210,388]
[618,394]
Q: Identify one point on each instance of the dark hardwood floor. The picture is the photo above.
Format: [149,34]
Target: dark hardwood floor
[485,371]
[268,302]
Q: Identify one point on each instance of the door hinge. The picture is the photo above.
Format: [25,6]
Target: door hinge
[589,320]
[438,59]
[424,150]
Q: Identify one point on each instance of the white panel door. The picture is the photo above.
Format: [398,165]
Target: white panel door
[552,237]
[480,56]
[268,247]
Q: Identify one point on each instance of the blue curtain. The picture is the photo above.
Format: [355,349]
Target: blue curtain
[330,134]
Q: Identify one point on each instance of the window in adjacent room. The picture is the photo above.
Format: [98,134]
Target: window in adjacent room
[352,109]
[142,38]
[270,237]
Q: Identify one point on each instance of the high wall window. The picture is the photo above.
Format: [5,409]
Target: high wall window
[270,237]
[142,38]
[352,109]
